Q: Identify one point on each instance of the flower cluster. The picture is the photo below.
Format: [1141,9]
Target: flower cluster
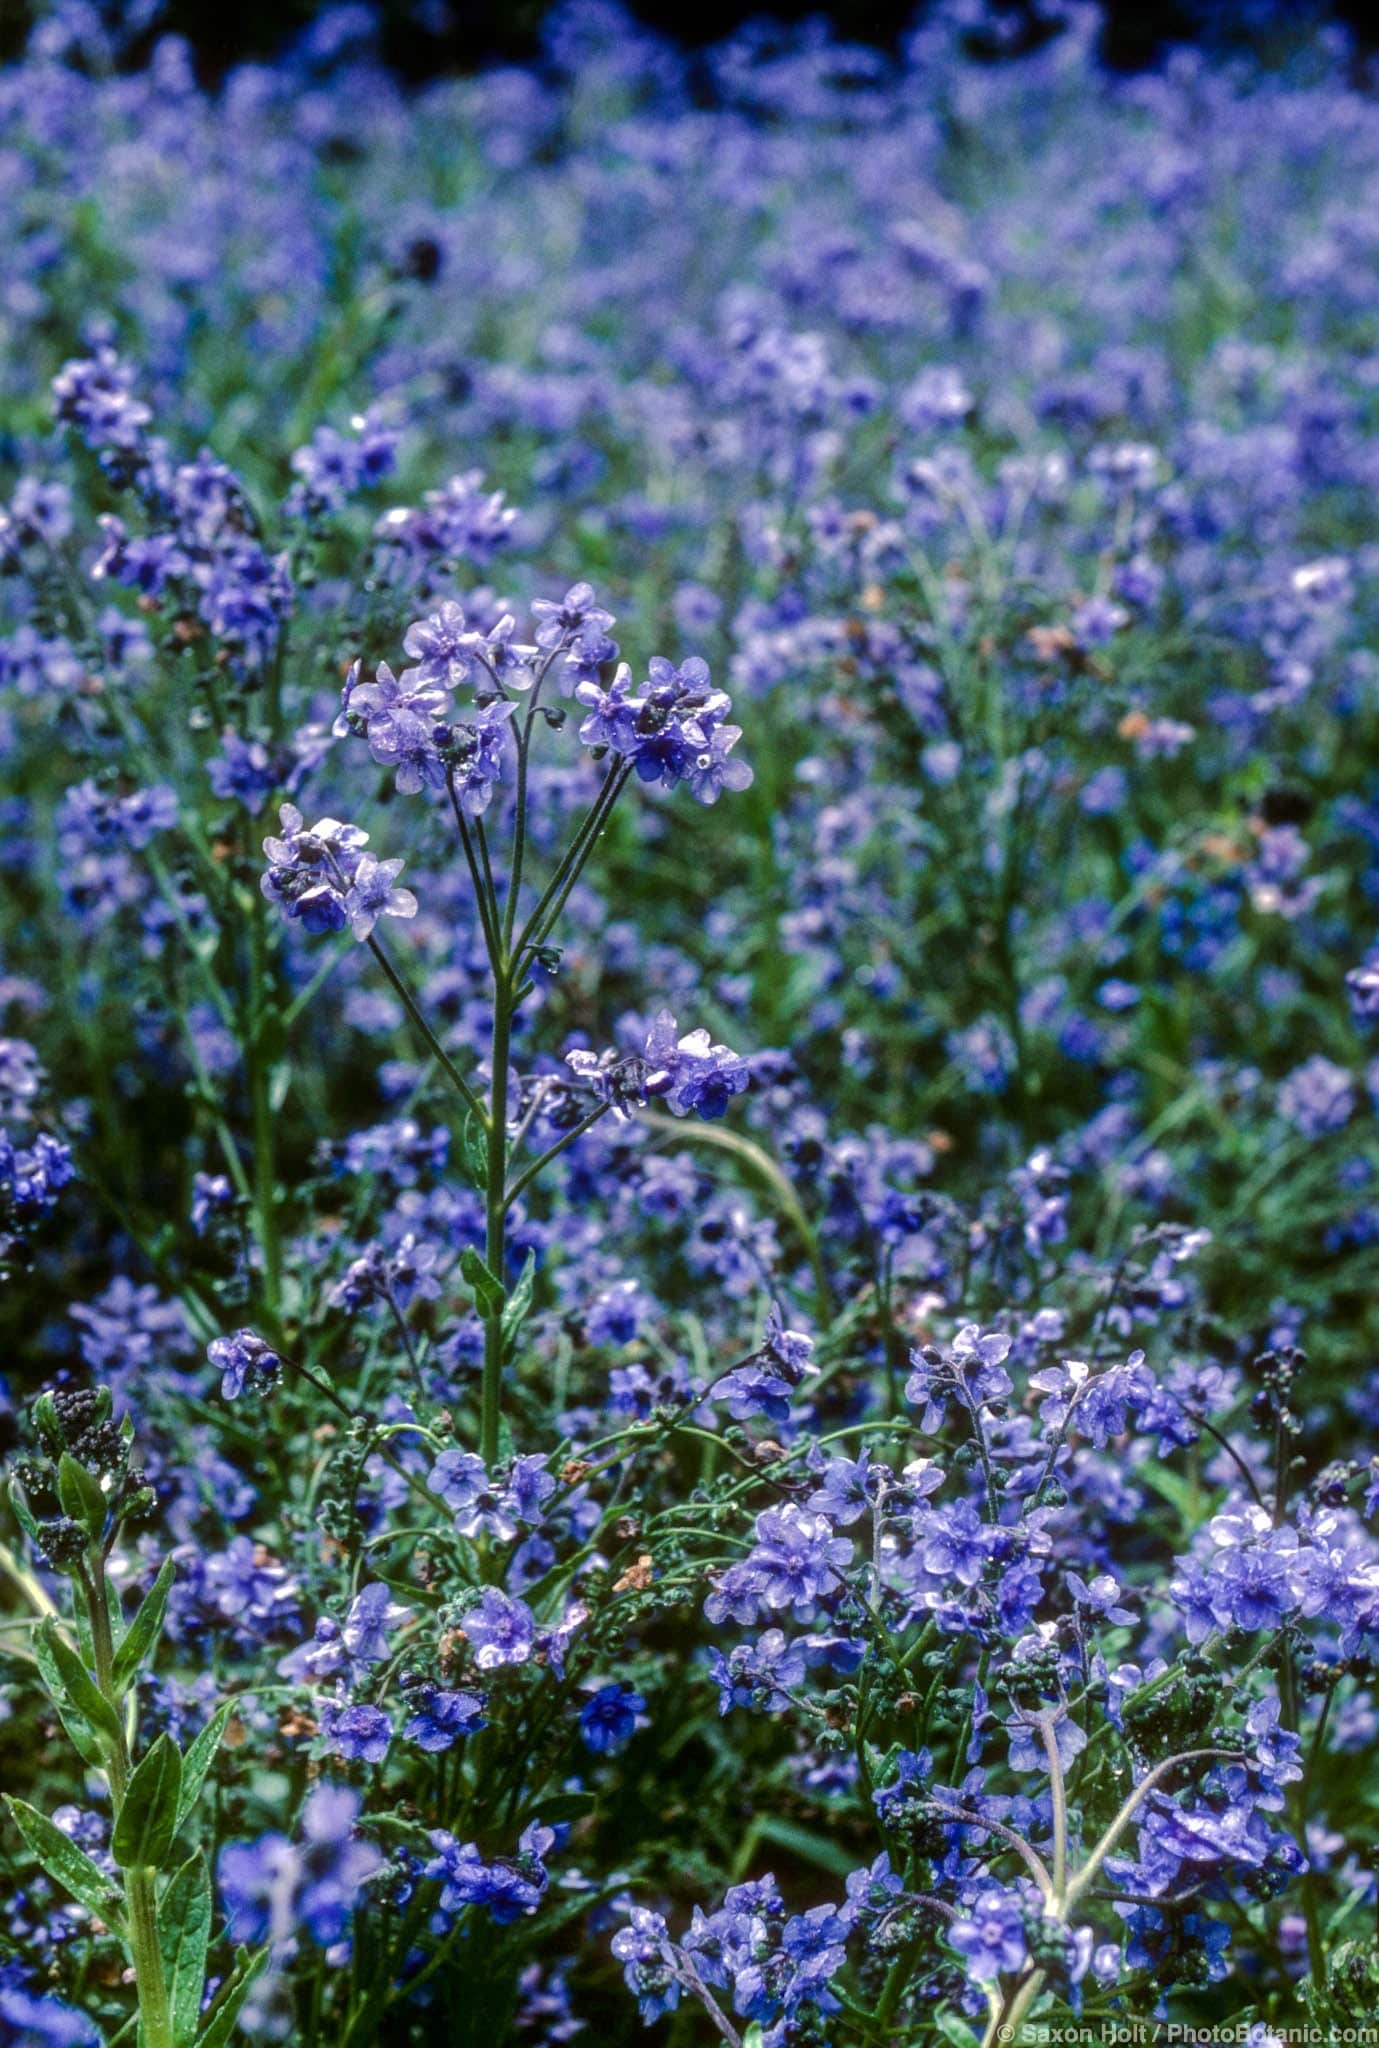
[321,877]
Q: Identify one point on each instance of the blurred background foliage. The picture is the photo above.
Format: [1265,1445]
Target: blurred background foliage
[426,38]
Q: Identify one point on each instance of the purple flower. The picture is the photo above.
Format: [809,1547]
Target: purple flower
[712,770]
[1027,1752]
[759,1675]
[438,646]
[273,1890]
[401,720]
[360,1734]
[500,1630]
[243,1361]
[373,1613]
[990,1934]
[795,1562]
[479,747]
[244,771]
[1317,1097]
[577,615]
[310,870]
[643,1948]
[439,1718]
[39,2022]
[509,1887]
[690,1073]
[461,1479]
[211,1193]
[372,894]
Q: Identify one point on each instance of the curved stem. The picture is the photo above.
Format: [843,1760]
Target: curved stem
[1123,1819]
[1032,1860]
[763,1165]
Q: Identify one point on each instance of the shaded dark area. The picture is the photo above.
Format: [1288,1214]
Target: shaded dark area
[421,43]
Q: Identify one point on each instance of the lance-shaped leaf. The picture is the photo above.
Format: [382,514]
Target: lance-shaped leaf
[475,1152]
[489,1292]
[198,1760]
[145,1628]
[518,1304]
[147,1824]
[81,1496]
[66,1864]
[82,1737]
[78,1686]
[184,1931]
[220,2020]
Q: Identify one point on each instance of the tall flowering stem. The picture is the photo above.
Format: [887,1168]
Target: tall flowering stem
[673,732]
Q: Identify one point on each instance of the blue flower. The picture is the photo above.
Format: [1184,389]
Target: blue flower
[273,1889]
[500,1630]
[372,1616]
[608,1721]
[990,1934]
[358,1733]
[243,1361]
[439,1718]
[510,1887]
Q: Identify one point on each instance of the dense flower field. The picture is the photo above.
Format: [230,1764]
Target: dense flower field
[689,1190]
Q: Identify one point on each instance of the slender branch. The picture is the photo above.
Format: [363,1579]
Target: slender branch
[571,865]
[488,908]
[539,1165]
[1123,1819]
[1031,1858]
[438,1051]
[1058,1793]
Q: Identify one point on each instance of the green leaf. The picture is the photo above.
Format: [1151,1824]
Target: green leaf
[79,1687]
[24,1514]
[184,1932]
[220,2021]
[565,1806]
[145,1628]
[803,1842]
[66,1864]
[518,1305]
[953,2027]
[475,1150]
[198,1760]
[489,1293]
[81,1496]
[147,1825]
[82,1738]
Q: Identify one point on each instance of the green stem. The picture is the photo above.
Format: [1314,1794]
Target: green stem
[437,1050]
[557,891]
[265,1135]
[155,2013]
[539,1165]
[496,1212]
[1006,2021]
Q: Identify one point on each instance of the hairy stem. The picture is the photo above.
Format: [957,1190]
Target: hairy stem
[155,2013]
